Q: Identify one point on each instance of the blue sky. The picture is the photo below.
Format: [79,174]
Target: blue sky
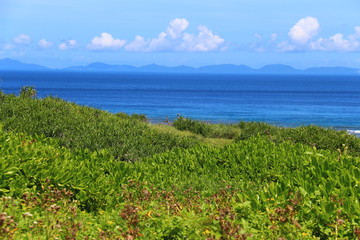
[181,32]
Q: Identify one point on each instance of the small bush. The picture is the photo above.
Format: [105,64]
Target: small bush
[28,92]
[2,96]
[250,129]
[194,126]
[140,117]
[207,130]
[314,136]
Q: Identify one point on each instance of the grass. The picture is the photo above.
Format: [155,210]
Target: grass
[216,142]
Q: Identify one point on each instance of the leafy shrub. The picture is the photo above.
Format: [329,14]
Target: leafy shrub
[28,92]
[140,117]
[2,96]
[319,137]
[314,136]
[254,188]
[206,129]
[194,126]
[83,127]
[273,183]
[252,129]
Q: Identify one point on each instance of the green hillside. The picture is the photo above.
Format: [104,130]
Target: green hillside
[74,172]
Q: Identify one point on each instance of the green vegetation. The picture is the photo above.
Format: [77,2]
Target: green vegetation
[314,136]
[72,172]
[27,92]
[229,131]
[2,96]
[217,142]
[126,137]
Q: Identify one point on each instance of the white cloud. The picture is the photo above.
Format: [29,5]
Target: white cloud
[162,43]
[168,40]
[338,42]
[357,31]
[335,43]
[301,37]
[304,30]
[205,41]
[22,39]
[176,27]
[70,44]
[274,36]
[43,43]
[285,46]
[8,46]
[264,43]
[258,36]
[138,45]
[174,38]
[356,35]
[105,42]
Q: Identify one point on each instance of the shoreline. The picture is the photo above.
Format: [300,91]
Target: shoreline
[280,101]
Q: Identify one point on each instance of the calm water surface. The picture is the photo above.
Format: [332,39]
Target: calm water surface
[331,101]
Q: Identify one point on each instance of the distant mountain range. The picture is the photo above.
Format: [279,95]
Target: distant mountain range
[13,65]
[9,64]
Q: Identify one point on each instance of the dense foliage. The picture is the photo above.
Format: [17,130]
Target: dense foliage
[321,138]
[83,127]
[207,130]
[263,186]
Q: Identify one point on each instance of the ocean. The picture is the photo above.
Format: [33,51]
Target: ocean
[283,100]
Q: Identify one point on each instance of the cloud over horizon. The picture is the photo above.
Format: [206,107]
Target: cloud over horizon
[304,30]
[300,34]
[302,38]
[22,39]
[105,42]
[8,47]
[174,38]
[43,43]
[339,42]
[70,44]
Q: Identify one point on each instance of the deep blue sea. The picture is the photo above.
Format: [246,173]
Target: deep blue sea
[330,101]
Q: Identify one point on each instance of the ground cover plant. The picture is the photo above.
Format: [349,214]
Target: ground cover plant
[315,136]
[230,131]
[83,127]
[260,187]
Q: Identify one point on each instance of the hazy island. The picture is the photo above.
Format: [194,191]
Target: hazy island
[8,64]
